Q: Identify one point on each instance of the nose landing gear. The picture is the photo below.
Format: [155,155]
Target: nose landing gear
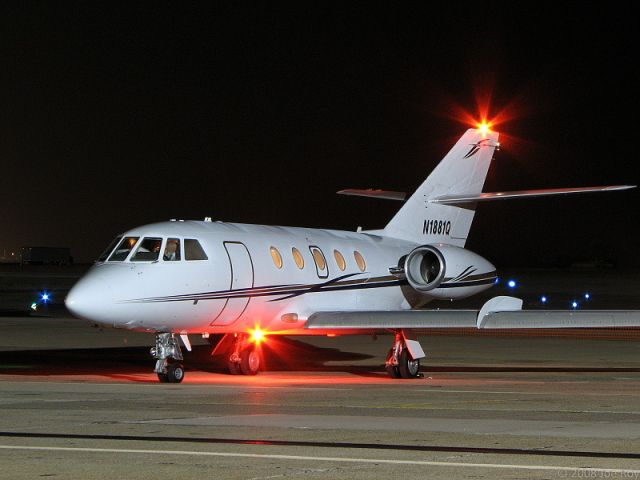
[168,357]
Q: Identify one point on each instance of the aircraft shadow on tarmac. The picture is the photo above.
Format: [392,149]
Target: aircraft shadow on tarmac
[281,354]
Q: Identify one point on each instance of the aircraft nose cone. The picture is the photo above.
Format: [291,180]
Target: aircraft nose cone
[90,299]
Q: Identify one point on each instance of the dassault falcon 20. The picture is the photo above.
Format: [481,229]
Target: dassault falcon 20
[238,282]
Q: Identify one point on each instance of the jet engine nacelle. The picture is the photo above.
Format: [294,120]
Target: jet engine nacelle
[447,272]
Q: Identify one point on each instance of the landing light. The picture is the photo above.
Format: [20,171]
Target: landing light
[257,335]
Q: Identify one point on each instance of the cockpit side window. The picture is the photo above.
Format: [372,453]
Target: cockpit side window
[193,250]
[109,249]
[148,251]
[171,250]
[123,249]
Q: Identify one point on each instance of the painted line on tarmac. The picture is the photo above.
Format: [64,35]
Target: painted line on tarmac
[323,444]
[510,392]
[557,468]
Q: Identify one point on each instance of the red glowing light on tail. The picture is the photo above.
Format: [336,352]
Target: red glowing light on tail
[484,127]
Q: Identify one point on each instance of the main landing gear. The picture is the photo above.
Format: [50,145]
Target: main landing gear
[403,359]
[245,356]
[168,358]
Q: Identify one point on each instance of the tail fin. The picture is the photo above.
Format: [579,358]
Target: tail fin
[462,171]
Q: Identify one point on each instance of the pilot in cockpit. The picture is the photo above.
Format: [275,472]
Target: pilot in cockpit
[172,250]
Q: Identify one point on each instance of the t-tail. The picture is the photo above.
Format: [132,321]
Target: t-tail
[461,172]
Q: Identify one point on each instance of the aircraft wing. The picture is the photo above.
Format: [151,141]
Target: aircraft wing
[561,319]
[403,319]
[547,192]
[498,313]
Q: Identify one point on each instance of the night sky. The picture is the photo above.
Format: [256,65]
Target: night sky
[117,115]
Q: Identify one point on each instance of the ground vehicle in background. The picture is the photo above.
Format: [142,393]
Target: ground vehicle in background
[45,256]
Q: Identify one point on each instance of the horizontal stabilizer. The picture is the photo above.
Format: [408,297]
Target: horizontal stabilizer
[369,192]
[483,197]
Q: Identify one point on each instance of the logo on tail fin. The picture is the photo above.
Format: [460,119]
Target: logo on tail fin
[475,147]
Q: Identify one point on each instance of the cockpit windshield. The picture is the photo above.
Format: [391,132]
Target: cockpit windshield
[193,250]
[123,249]
[108,250]
[172,250]
[148,251]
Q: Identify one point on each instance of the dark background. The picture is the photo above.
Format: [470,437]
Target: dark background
[116,115]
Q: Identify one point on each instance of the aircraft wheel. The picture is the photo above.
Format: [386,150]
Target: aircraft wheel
[175,373]
[234,368]
[249,361]
[392,370]
[409,368]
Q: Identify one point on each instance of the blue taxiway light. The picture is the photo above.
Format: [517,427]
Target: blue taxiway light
[574,304]
[587,296]
[45,297]
[543,299]
[511,284]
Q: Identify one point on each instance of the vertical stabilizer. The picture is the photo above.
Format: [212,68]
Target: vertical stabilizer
[462,171]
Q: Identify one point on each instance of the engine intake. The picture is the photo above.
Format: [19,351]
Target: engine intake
[424,268]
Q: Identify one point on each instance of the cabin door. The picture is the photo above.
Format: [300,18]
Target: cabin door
[241,279]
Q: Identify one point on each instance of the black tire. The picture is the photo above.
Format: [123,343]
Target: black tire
[175,373]
[408,367]
[234,368]
[163,377]
[249,361]
[393,371]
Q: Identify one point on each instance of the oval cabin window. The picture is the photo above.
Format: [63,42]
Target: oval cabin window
[339,260]
[319,259]
[360,260]
[276,257]
[297,257]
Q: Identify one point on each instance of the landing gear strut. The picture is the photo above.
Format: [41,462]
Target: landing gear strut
[403,359]
[245,357]
[168,358]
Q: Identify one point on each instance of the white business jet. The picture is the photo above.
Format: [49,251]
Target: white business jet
[240,282]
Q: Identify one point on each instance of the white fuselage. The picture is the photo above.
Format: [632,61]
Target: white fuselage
[241,285]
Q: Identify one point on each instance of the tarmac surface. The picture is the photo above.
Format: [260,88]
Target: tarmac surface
[81,402]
